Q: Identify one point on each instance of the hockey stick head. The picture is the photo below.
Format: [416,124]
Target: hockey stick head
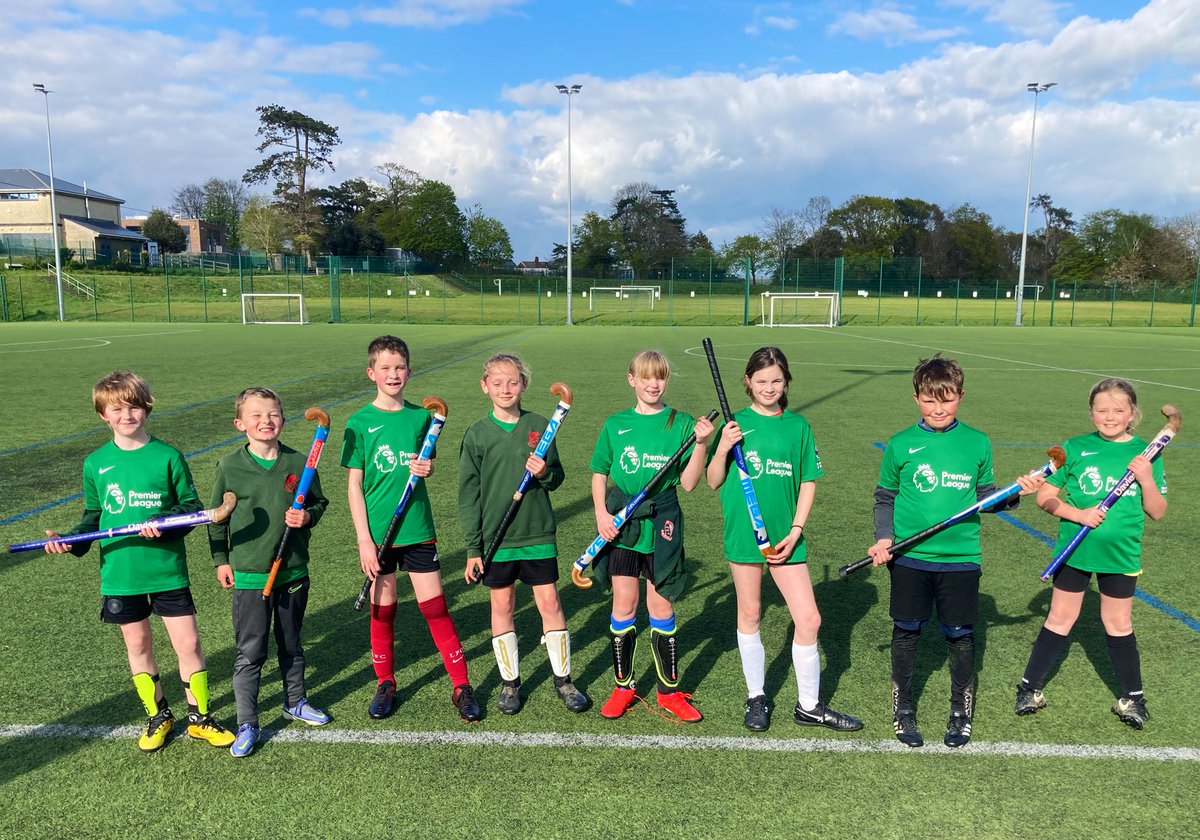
[229,502]
[319,414]
[563,392]
[1174,418]
[577,578]
[1058,456]
[436,405]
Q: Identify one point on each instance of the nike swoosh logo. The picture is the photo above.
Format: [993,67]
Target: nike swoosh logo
[103,470]
[373,429]
[1085,453]
[914,449]
[623,431]
[293,590]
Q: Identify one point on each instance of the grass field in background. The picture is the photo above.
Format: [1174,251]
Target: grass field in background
[1072,770]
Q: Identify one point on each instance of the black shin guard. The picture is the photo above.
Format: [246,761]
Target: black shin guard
[1123,651]
[666,659]
[623,645]
[904,662]
[1047,650]
[962,671]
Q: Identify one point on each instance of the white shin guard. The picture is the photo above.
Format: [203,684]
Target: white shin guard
[558,647]
[507,656]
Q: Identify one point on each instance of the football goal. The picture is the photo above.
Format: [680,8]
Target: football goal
[635,295]
[273,309]
[800,309]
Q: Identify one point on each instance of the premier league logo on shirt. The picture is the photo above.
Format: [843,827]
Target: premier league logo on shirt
[385,459]
[754,462]
[925,479]
[114,499]
[629,460]
[1091,482]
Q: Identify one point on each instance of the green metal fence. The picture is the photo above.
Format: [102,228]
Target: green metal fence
[871,291]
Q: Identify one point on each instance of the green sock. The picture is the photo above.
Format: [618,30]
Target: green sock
[198,683]
[145,685]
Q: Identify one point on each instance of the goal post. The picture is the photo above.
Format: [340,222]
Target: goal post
[626,292]
[273,309]
[800,309]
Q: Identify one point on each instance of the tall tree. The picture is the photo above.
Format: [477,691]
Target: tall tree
[814,219]
[974,246]
[488,244]
[748,253]
[224,202]
[188,201]
[595,247]
[782,230]
[164,230]
[299,144]
[650,227]
[431,225]
[869,225]
[262,226]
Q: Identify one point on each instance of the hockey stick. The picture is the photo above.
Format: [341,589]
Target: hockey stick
[1174,423]
[438,406]
[180,520]
[565,400]
[1057,457]
[306,480]
[620,518]
[756,519]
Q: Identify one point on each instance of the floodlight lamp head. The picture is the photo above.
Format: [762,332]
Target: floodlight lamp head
[561,88]
[40,88]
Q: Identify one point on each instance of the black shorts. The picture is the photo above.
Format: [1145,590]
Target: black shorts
[505,573]
[422,557]
[915,592]
[130,609]
[623,562]
[1113,584]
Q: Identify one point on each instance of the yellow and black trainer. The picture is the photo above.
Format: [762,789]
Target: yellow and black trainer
[205,728]
[157,729]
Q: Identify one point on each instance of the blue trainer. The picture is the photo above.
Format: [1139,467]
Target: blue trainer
[246,740]
[305,713]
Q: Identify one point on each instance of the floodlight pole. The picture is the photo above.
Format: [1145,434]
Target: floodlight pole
[1035,88]
[569,92]
[62,314]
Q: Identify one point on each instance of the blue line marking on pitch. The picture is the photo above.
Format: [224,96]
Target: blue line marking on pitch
[1139,593]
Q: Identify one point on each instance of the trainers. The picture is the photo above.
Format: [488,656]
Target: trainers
[246,740]
[205,728]
[1029,700]
[305,713]
[384,702]
[758,714]
[679,703]
[1132,711]
[509,700]
[619,702]
[958,731]
[907,733]
[157,730]
[464,700]
[574,699]
[822,715]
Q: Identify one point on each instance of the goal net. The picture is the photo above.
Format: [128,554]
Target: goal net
[624,297]
[273,309]
[800,309]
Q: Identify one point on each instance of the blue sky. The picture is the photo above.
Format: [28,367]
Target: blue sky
[741,107]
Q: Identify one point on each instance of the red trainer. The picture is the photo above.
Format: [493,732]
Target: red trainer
[679,703]
[619,702]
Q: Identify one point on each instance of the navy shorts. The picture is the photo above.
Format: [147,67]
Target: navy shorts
[1113,584]
[130,609]
[422,557]
[505,573]
[625,563]
[915,592]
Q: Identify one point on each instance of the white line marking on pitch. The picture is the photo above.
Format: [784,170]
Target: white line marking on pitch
[1015,361]
[100,342]
[675,742]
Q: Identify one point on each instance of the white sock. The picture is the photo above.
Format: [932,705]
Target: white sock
[807,662]
[754,662]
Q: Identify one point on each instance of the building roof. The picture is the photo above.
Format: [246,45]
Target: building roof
[109,230]
[29,179]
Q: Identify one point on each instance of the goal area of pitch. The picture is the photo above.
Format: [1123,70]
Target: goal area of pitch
[800,309]
[273,309]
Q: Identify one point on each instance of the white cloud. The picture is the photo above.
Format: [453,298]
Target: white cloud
[431,14]
[1032,18]
[887,23]
[772,16]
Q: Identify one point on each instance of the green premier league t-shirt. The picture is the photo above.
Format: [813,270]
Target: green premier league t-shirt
[935,475]
[633,447]
[1093,468]
[381,444]
[780,453]
[129,486]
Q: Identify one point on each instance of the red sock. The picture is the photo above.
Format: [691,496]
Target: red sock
[383,636]
[441,627]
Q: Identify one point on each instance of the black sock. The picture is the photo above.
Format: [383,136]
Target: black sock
[961,653]
[904,662]
[1123,651]
[1047,650]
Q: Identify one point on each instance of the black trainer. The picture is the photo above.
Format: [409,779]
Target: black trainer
[1029,700]
[758,714]
[509,700]
[574,699]
[1132,711]
[385,701]
[907,733]
[822,715]
[958,731]
[464,700]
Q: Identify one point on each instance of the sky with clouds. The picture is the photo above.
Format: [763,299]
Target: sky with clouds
[739,107]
